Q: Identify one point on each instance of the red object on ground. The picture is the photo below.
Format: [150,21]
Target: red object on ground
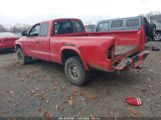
[134,101]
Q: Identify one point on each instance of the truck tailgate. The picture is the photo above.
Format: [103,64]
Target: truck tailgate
[122,49]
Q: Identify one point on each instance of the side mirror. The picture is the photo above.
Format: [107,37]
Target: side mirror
[24,33]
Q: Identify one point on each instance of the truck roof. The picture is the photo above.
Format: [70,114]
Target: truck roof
[60,19]
[120,18]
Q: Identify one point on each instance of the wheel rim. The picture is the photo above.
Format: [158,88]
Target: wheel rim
[74,72]
[20,56]
[157,37]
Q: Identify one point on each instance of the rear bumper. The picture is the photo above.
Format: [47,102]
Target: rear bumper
[124,64]
[132,62]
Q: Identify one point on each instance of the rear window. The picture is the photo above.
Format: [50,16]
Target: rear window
[132,23]
[117,23]
[102,27]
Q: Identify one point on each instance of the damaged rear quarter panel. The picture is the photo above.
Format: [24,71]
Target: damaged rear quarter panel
[95,53]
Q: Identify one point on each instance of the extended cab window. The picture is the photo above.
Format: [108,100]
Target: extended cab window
[63,27]
[102,27]
[35,30]
[132,23]
[117,23]
[68,26]
[44,29]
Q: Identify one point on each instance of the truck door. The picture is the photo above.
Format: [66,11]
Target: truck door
[32,43]
[44,41]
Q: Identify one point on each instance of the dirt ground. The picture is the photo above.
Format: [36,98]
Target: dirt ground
[42,89]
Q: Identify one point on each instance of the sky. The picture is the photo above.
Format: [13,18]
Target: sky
[90,11]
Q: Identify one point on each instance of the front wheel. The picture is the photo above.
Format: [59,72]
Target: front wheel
[75,72]
[22,58]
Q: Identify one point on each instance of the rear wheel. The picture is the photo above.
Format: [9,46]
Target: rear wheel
[75,72]
[22,58]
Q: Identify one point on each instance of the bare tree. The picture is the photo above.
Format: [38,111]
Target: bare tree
[17,28]
[154,15]
[2,28]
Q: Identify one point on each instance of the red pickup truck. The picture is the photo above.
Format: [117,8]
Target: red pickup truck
[65,41]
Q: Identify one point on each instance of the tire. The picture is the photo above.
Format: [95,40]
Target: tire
[157,36]
[75,72]
[22,58]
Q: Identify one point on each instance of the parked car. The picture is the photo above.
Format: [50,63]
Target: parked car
[7,40]
[90,28]
[130,23]
[65,41]
[157,35]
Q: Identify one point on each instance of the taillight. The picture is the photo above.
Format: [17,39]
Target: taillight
[110,52]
